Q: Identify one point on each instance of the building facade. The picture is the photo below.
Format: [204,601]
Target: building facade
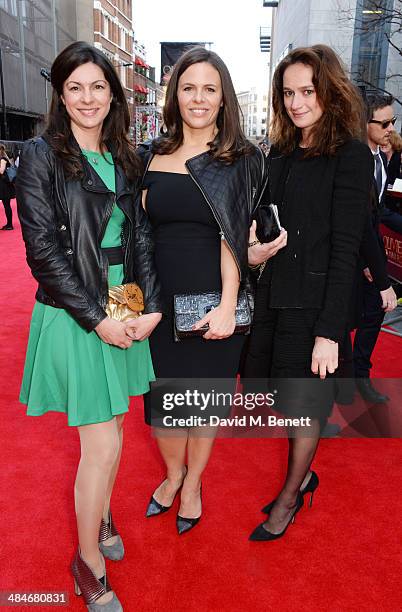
[113,34]
[253,116]
[32,32]
[148,95]
[356,31]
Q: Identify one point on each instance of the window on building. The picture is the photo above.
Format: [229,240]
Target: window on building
[263,132]
[123,76]
[106,24]
[255,109]
[263,120]
[370,44]
[264,110]
[10,6]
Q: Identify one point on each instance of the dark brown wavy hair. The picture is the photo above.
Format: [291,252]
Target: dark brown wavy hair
[343,113]
[229,142]
[115,126]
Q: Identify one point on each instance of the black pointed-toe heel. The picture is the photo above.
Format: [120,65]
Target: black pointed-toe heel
[310,487]
[184,524]
[260,534]
[155,508]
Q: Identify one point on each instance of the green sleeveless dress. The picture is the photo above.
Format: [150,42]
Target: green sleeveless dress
[70,370]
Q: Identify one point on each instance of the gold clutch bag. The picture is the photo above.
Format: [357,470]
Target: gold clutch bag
[125,302]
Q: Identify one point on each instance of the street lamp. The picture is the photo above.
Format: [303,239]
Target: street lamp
[46,75]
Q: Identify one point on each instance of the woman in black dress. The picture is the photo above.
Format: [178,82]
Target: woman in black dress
[202,182]
[6,188]
[324,175]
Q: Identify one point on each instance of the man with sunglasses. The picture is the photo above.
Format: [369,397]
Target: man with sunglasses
[376,295]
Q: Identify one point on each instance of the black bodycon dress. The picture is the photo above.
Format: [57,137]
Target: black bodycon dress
[187,256]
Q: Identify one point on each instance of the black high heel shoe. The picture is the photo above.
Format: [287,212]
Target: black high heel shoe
[310,487]
[184,524]
[155,508]
[260,534]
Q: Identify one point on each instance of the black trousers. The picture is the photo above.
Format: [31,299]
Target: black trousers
[8,211]
[368,329]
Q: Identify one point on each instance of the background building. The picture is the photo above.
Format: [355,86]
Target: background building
[356,29]
[32,32]
[148,95]
[253,106]
[113,34]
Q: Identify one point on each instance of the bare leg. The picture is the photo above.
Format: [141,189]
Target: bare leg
[198,452]
[302,448]
[172,447]
[99,451]
[112,478]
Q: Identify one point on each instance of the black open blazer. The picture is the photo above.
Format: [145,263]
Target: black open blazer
[329,221]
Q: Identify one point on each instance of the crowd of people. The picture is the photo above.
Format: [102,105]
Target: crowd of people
[177,216]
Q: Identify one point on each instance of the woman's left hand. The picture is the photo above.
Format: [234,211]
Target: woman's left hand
[143,326]
[325,357]
[221,322]
[262,251]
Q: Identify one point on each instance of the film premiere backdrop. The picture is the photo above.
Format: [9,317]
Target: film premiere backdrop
[170,53]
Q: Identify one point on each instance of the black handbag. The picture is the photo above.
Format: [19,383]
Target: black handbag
[266,214]
[189,308]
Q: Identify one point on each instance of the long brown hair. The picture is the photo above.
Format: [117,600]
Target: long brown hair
[115,125]
[343,114]
[3,151]
[229,142]
[395,140]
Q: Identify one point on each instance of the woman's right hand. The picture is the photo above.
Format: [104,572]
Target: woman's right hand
[113,332]
[260,252]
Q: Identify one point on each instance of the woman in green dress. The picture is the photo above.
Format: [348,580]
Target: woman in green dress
[85,230]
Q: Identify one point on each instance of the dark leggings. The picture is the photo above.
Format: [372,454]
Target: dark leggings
[8,211]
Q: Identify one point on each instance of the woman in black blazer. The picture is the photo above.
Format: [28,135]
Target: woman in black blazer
[320,176]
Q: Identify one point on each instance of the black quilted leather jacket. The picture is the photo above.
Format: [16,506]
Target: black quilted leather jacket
[63,223]
[231,191]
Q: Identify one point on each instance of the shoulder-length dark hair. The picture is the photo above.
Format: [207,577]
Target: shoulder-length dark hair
[343,114]
[229,142]
[115,126]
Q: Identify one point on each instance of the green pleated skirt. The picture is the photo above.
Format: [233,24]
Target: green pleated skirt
[70,370]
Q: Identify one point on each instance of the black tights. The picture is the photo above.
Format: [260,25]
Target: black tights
[302,448]
[8,211]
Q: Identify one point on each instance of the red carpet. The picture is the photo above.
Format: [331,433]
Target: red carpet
[343,554]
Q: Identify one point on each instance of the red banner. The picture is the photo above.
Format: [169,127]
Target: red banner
[393,248]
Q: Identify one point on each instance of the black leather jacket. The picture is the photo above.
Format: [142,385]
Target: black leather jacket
[63,223]
[232,192]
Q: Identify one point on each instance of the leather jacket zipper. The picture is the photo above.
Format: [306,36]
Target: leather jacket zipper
[218,221]
[254,190]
